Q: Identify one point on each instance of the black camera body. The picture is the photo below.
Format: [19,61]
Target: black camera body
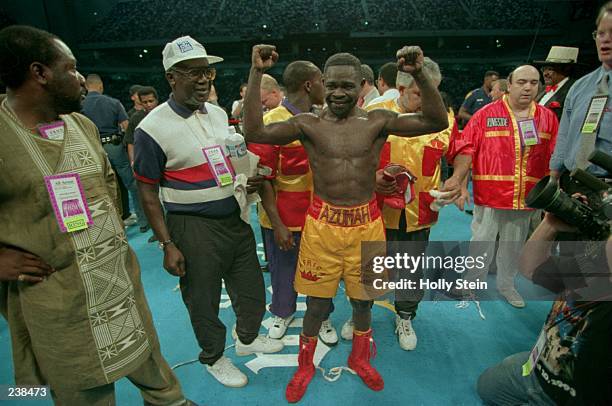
[591,218]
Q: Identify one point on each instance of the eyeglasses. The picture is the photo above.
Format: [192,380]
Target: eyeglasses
[196,73]
[601,34]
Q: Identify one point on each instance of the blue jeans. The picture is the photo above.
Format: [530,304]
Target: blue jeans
[504,384]
[118,158]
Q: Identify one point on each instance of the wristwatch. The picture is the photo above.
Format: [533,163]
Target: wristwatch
[163,244]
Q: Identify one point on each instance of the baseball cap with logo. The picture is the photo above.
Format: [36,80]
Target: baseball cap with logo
[184,48]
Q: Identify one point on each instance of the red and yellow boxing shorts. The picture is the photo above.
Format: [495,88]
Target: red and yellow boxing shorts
[330,248]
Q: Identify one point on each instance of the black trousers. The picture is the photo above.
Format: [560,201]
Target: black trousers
[216,250]
[407,301]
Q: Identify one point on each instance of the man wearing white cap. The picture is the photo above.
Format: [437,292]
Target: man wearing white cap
[557,69]
[180,150]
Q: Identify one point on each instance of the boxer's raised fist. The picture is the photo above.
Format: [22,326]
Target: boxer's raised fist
[264,56]
[410,59]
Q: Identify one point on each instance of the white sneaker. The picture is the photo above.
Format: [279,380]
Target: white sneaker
[130,221]
[260,344]
[513,297]
[227,374]
[327,333]
[405,334]
[347,329]
[279,327]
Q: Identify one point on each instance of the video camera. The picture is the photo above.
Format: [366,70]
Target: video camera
[591,218]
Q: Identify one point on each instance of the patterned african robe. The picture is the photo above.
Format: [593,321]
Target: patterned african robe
[88,324]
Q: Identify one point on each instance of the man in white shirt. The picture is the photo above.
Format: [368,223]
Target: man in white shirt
[387,75]
[179,150]
[237,104]
[557,69]
[369,92]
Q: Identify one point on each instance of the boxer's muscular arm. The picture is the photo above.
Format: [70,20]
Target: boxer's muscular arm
[279,133]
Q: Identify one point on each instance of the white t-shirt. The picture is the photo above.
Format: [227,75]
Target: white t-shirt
[234,105]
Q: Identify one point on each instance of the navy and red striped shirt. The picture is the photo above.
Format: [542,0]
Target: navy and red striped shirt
[168,145]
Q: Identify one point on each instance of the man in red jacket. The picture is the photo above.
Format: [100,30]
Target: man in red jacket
[509,143]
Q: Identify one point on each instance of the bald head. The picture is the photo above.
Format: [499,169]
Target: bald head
[522,71]
[523,85]
[94,83]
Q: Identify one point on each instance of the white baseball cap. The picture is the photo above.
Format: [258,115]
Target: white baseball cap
[184,48]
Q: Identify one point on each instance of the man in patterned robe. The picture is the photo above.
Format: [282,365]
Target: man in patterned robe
[74,302]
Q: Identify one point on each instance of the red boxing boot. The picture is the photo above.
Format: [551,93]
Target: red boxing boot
[306,370]
[359,360]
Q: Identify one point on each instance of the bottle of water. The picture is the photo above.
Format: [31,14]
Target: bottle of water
[235,144]
[237,151]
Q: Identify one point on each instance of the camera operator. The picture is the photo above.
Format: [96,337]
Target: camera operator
[571,362]
[586,123]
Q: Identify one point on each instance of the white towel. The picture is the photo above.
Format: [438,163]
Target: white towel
[240,186]
[440,199]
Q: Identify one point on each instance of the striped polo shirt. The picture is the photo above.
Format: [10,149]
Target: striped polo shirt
[168,146]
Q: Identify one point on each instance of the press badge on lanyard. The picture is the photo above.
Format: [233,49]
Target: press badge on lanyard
[53,131]
[68,201]
[593,117]
[534,355]
[528,132]
[219,165]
